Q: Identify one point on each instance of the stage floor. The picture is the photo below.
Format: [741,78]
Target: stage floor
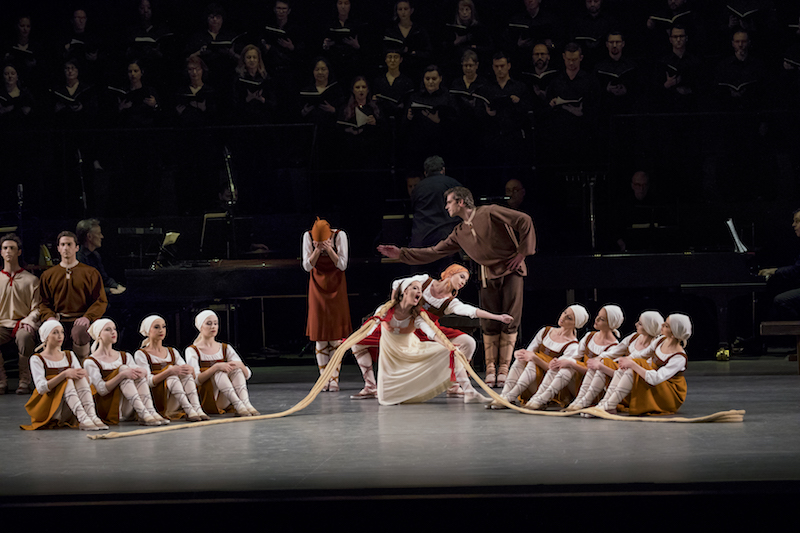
[443,450]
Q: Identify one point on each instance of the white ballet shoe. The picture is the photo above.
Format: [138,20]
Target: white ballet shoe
[88,425]
[497,406]
[241,410]
[475,397]
[99,423]
[333,386]
[193,416]
[149,420]
[455,391]
[534,405]
[574,406]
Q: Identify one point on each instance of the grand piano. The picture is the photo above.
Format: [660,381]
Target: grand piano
[718,276]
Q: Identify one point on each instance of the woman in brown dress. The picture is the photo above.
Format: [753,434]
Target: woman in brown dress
[325,256]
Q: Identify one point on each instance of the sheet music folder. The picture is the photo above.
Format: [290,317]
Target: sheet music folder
[739,246]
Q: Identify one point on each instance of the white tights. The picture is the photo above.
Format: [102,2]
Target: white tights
[553,382]
[233,387]
[137,398]
[593,383]
[325,350]
[620,386]
[364,361]
[79,399]
[520,376]
[184,390]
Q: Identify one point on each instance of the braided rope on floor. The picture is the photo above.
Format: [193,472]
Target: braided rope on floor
[361,334]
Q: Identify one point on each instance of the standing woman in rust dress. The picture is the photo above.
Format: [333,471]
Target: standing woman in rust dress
[326,253]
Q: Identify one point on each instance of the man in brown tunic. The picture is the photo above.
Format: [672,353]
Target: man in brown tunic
[498,239]
[72,293]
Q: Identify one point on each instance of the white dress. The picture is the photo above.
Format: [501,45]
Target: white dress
[411,371]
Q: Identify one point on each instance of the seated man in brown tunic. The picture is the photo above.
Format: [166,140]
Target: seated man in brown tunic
[72,293]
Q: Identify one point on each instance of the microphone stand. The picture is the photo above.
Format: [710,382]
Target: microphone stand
[83,185]
[19,208]
[230,204]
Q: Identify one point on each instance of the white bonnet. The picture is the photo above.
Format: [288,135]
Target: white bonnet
[202,316]
[615,317]
[147,323]
[47,328]
[581,315]
[95,329]
[405,284]
[681,326]
[651,322]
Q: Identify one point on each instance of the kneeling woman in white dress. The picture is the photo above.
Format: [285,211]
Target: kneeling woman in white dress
[62,397]
[221,374]
[171,380]
[411,370]
[119,385]
[654,386]
[439,298]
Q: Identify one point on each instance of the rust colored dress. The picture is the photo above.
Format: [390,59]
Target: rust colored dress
[328,306]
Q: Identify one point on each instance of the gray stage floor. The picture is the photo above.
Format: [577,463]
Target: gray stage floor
[339,448]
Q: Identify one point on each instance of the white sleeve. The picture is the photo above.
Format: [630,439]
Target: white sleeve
[193,359]
[457,307]
[308,248]
[420,324]
[584,342]
[141,361]
[581,347]
[95,377]
[38,375]
[179,361]
[33,317]
[573,351]
[537,341]
[342,250]
[621,349]
[233,356]
[675,364]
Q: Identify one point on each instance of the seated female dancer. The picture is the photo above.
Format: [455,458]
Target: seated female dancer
[120,387]
[549,343]
[438,299]
[171,380]
[221,374]
[655,385]
[563,370]
[60,381]
[601,369]
[413,371]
